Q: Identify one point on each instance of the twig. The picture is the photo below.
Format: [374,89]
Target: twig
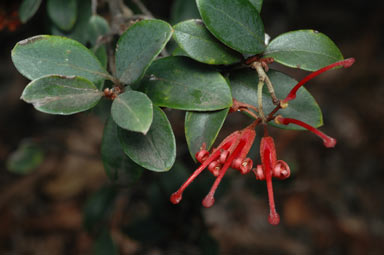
[142,8]
[260,71]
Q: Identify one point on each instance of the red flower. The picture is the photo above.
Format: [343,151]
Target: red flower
[271,167]
[231,152]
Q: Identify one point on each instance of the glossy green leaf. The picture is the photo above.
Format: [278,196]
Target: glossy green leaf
[304,107]
[305,49]
[257,3]
[45,55]
[28,8]
[181,83]
[61,94]
[236,23]
[26,158]
[104,245]
[203,127]
[119,168]
[183,10]
[138,47]
[193,37]
[156,150]
[62,12]
[98,207]
[132,111]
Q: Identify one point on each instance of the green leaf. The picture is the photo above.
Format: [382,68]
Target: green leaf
[304,107]
[138,47]
[203,127]
[97,26]
[181,83]
[236,23]
[26,158]
[28,8]
[156,150]
[179,52]
[118,167]
[183,10]
[101,54]
[81,30]
[193,37]
[257,3]
[61,94]
[62,12]
[132,111]
[305,49]
[98,207]
[104,245]
[44,55]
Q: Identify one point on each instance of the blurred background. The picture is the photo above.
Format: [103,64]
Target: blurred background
[62,202]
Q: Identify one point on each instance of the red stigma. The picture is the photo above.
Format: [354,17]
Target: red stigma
[328,141]
[292,94]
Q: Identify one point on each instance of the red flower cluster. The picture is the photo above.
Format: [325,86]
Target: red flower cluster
[233,150]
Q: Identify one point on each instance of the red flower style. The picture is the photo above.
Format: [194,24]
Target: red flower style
[232,152]
[271,167]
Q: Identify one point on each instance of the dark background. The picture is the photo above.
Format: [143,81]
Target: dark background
[333,204]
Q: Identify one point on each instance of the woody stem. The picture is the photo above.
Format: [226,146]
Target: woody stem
[260,71]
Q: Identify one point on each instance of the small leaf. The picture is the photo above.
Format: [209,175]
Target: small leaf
[61,94]
[305,49]
[203,127]
[98,207]
[179,52]
[80,31]
[63,13]
[132,111]
[97,26]
[119,168]
[28,8]
[236,23]
[257,3]
[156,150]
[199,44]
[304,107]
[138,47]
[45,55]
[183,10]
[104,245]
[180,83]
[26,158]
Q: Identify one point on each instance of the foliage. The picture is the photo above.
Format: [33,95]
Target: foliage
[220,65]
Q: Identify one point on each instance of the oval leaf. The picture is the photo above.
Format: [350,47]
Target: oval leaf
[28,156]
[203,127]
[132,110]
[63,13]
[257,3]
[138,47]
[305,49]
[180,83]
[199,44]
[118,167]
[304,107]
[45,55]
[28,8]
[183,10]
[80,31]
[236,23]
[156,150]
[61,94]
[98,208]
